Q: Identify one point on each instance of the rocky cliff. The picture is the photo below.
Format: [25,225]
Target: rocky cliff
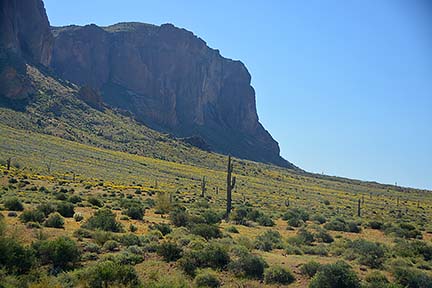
[170,80]
[167,77]
[25,36]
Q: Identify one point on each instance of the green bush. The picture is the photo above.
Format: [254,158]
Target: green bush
[78,217]
[163,228]
[130,240]
[278,275]
[14,257]
[268,241]
[320,219]
[337,275]
[207,231]
[370,254]
[179,217]
[310,268]
[55,221]
[412,278]
[211,217]
[62,252]
[13,204]
[104,219]
[323,236]
[169,251]
[376,279]
[135,212]
[212,255]
[413,249]
[207,278]
[265,221]
[295,216]
[111,274]
[66,209]
[32,216]
[232,229]
[46,208]
[250,266]
[111,245]
[95,202]
[75,199]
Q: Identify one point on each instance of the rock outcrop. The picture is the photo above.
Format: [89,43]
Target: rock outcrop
[170,80]
[25,36]
[167,77]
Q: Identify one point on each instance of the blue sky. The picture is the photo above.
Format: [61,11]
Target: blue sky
[344,86]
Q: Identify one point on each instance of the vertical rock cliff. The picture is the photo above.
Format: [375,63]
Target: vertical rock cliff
[25,36]
[167,77]
[170,80]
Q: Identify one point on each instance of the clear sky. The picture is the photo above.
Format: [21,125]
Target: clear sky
[344,86]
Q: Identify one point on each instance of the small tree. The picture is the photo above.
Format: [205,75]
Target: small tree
[103,219]
[13,204]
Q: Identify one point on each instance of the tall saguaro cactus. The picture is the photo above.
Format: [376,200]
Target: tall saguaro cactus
[359,208]
[230,185]
[203,186]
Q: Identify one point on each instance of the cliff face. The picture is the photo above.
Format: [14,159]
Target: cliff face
[25,36]
[170,80]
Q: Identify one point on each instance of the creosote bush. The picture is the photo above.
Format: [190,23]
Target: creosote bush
[207,278]
[55,221]
[13,204]
[339,275]
[278,275]
[104,219]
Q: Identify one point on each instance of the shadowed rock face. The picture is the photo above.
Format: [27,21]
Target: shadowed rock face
[25,36]
[166,77]
[170,80]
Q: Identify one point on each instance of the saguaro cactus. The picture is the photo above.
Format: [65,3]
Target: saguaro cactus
[230,185]
[8,163]
[203,186]
[359,208]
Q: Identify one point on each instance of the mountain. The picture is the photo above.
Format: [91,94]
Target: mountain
[166,78]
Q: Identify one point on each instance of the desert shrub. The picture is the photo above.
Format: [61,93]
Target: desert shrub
[82,233]
[412,278]
[163,203]
[268,241]
[207,278]
[110,274]
[179,217]
[95,202]
[92,248]
[130,240]
[403,230]
[293,250]
[318,218]
[238,216]
[337,224]
[376,279]
[111,245]
[103,219]
[55,221]
[207,231]
[278,275]
[46,208]
[248,265]
[295,217]
[169,251]
[13,204]
[61,253]
[135,212]
[320,250]
[13,181]
[265,220]
[305,236]
[415,248]
[211,217]
[212,255]
[310,268]
[353,227]
[323,236]
[232,229]
[66,209]
[369,253]
[32,216]
[377,225]
[75,199]
[14,257]
[337,275]
[78,216]
[163,228]
[100,236]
